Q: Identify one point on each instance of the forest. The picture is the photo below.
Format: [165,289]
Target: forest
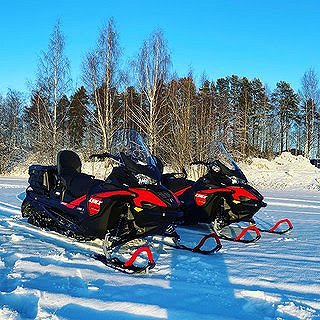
[177,116]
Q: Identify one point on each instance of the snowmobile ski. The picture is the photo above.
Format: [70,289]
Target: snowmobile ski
[238,234]
[275,227]
[178,245]
[128,266]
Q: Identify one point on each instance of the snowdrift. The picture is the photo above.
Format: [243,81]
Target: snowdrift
[285,172]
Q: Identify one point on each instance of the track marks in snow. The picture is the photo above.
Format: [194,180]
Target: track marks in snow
[273,279]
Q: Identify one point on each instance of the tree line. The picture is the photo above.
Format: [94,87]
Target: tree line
[177,117]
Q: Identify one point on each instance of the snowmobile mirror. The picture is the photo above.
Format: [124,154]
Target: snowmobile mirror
[102,156]
[184,172]
[99,156]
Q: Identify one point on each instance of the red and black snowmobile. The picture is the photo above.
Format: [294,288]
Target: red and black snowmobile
[221,197]
[130,204]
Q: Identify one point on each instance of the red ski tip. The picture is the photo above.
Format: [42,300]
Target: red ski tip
[287,221]
[204,239]
[245,230]
[134,256]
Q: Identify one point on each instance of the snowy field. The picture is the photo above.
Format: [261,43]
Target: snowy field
[44,277]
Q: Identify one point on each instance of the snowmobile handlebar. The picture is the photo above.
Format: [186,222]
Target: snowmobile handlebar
[200,162]
[102,156]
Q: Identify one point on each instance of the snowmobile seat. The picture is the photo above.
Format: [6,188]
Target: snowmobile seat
[75,183]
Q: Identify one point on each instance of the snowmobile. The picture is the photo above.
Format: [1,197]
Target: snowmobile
[130,204]
[221,197]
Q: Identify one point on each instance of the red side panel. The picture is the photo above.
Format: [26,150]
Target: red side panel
[182,191]
[143,195]
[74,203]
[77,201]
[201,196]
[108,194]
[95,201]
[241,192]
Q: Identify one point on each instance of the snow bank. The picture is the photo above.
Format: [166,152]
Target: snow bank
[285,172]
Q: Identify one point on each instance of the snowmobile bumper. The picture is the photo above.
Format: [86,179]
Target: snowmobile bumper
[149,217]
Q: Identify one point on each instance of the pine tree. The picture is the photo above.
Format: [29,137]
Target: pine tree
[222,101]
[77,118]
[261,112]
[62,111]
[286,104]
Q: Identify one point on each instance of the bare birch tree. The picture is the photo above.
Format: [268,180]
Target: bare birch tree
[102,78]
[310,95]
[51,85]
[151,68]
[181,104]
[11,131]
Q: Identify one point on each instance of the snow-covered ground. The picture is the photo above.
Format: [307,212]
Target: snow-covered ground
[285,172]
[44,277]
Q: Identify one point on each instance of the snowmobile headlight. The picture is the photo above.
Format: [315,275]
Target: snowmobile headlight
[236,180]
[215,168]
[144,179]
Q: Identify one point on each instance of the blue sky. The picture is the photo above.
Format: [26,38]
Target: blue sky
[272,40]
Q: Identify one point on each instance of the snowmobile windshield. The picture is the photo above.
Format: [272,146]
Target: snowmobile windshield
[218,154]
[129,146]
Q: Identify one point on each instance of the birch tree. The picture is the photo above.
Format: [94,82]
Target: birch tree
[101,75]
[51,85]
[151,68]
[11,131]
[181,104]
[310,95]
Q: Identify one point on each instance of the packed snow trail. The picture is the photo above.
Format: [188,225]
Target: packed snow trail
[45,276]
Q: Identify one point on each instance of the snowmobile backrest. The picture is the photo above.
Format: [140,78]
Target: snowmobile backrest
[42,178]
[68,163]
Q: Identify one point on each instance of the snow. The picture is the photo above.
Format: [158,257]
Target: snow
[45,276]
[285,172]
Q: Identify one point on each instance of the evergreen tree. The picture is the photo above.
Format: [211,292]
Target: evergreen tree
[222,101]
[286,103]
[259,121]
[77,118]
[37,121]
[62,111]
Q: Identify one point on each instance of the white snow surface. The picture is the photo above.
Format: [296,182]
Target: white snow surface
[46,276]
[285,172]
